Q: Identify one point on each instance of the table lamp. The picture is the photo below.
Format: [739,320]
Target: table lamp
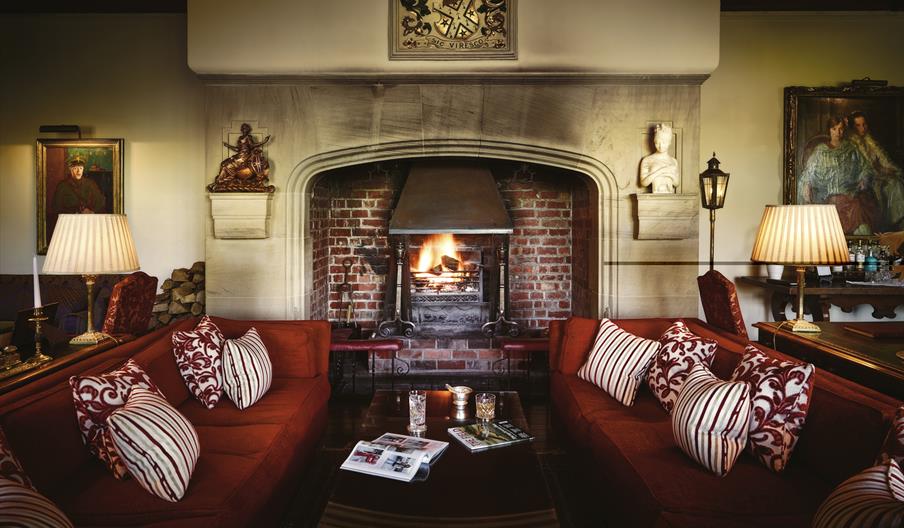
[800,236]
[91,245]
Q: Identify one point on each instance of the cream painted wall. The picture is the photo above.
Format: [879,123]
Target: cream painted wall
[116,76]
[313,36]
[741,114]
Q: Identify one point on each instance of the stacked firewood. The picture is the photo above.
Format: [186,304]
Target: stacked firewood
[183,296]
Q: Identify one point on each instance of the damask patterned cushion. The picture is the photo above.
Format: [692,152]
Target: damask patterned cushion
[780,394]
[22,506]
[247,370]
[198,357]
[618,361]
[679,350]
[158,445]
[10,468]
[874,498]
[130,305]
[710,419]
[894,443]
[95,397]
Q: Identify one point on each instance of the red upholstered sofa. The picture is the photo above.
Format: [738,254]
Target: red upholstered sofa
[250,461]
[642,478]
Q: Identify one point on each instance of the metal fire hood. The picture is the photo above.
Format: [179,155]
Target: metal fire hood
[450,196]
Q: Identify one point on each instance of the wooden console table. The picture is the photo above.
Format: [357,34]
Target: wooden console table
[63,356]
[819,297]
[870,362]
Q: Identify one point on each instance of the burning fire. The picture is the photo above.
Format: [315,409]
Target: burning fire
[432,251]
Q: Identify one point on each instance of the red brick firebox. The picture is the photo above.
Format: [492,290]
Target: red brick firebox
[553,224]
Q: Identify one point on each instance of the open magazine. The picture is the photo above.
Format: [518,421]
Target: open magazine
[478,437]
[395,456]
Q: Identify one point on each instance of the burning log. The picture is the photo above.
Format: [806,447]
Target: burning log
[451,263]
[437,270]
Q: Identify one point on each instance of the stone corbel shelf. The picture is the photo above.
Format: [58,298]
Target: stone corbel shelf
[667,216]
[241,215]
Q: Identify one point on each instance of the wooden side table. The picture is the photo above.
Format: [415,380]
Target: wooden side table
[819,297]
[870,362]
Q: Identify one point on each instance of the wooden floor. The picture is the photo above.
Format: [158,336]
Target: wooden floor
[564,475]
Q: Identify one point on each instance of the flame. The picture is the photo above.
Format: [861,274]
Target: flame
[432,251]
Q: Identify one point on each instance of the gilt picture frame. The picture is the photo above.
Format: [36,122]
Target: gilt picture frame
[845,146]
[452,29]
[76,176]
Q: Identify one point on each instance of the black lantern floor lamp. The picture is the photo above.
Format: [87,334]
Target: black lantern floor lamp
[713,185]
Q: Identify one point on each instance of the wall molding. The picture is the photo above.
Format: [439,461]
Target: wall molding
[452,78]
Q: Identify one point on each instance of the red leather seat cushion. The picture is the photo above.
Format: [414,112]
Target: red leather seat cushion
[366,345]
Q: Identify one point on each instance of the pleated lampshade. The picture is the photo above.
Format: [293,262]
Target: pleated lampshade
[800,235]
[91,244]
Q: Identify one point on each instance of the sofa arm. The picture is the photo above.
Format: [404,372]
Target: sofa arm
[577,339]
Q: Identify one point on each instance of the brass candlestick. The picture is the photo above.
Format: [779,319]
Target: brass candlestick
[37,319]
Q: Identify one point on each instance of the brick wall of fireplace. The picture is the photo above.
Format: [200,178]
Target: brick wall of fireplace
[553,224]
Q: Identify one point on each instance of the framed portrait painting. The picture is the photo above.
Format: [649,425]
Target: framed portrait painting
[845,146]
[81,176]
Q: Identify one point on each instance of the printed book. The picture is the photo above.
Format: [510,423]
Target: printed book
[479,437]
[395,456]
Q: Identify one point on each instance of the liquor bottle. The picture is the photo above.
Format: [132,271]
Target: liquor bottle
[860,255]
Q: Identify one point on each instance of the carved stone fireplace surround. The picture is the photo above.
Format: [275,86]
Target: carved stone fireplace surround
[597,126]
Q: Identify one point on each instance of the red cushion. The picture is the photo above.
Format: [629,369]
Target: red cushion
[296,351]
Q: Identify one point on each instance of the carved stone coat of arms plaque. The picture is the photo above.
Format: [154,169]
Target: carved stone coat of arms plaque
[452,29]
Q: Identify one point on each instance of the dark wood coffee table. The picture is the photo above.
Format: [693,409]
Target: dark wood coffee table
[498,487]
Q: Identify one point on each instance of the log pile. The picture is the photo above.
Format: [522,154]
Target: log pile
[183,296]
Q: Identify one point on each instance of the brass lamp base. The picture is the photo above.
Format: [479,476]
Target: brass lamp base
[800,325]
[89,338]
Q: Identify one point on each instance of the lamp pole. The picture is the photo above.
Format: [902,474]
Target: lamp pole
[713,185]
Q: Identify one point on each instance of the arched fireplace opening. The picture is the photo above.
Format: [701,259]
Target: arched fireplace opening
[551,258]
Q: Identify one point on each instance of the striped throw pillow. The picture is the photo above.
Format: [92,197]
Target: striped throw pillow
[710,419]
[10,467]
[247,370]
[780,399]
[618,361]
[23,506]
[158,445]
[874,497]
[94,397]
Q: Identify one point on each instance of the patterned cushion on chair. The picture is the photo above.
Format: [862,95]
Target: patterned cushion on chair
[131,303]
[720,303]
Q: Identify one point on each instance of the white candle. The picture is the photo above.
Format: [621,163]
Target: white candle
[34,266]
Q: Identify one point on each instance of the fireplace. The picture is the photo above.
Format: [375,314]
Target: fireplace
[441,286]
[355,219]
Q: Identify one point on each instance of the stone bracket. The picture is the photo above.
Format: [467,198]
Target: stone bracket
[240,215]
[667,216]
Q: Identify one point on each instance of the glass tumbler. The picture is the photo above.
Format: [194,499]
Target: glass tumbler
[417,411]
[486,406]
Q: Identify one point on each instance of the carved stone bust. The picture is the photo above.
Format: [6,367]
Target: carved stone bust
[660,170]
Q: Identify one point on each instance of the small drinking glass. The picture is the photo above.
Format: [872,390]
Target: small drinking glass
[417,411]
[486,406]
